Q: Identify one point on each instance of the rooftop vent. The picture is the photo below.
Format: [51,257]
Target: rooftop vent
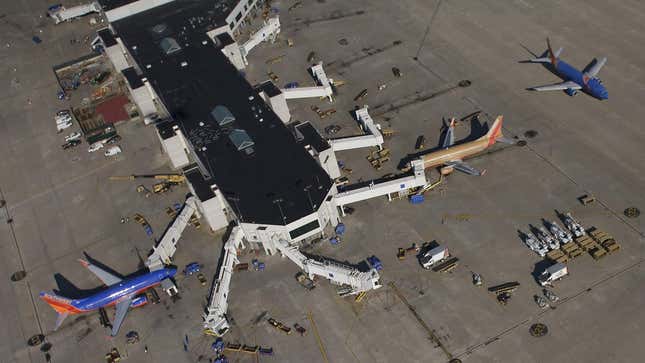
[222,115]
[241,140]
[159,28]
[169,45]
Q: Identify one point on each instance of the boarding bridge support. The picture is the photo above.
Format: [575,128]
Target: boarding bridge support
[269,32]
[61,13]
[322,90]
[374,189]
[215,320]
[337,273]
[372,137]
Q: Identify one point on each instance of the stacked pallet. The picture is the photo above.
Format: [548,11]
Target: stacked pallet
[605,240]
[446,266]
[557,256]
[571,249]
[378,157]
[590,245]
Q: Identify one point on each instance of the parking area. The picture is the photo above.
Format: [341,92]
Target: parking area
[62,203]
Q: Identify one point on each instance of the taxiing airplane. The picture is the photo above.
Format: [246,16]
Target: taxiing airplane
[122,293]
[574,80]
[451,157]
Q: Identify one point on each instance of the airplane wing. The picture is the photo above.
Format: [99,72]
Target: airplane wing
[122,308]
[465,168]
[449,138]
[107,278]
[595,68]
[557,86]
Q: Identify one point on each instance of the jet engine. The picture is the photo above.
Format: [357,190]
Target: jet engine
[139,301]
[571,92]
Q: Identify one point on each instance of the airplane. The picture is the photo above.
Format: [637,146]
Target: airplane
[123,293]
[451,157]
[574,80]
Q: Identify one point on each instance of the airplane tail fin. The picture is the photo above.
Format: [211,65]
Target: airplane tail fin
[549,56]
[62,306]
[495,131]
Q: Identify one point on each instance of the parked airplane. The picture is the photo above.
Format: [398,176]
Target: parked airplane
[574,79]
[451,157]
[124,293]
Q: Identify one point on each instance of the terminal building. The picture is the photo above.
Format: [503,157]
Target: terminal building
[246,163]
[241,160]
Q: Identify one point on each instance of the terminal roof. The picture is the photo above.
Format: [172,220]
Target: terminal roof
[265,175]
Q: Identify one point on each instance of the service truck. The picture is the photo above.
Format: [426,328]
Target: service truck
[431,257]
[553,273]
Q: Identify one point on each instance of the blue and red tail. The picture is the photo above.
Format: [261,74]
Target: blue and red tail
[62,305]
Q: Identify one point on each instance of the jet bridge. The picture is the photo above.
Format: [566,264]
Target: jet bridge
[215,320]
[322,90]
[162,253]
[373,190]
[337,273]
[61,13]
[373,136]
[269,31]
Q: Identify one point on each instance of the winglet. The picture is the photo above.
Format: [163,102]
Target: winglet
[495,131]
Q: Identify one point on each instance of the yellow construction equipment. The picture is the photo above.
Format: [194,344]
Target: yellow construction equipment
[161,187]
[170,178]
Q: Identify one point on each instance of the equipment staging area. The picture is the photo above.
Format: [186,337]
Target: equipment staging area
[61,203]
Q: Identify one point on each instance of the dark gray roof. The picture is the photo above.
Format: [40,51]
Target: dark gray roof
[279,182]
[270,88]
[107,37]
[312,137]
[132,77]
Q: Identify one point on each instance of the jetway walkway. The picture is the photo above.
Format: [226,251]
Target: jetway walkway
[373,136]
[165,249]
[373,190]
[269,32]
[337,273]
[61,14]
[162,253]
[322,90]
[215,320]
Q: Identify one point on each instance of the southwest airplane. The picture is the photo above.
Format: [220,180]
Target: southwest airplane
[451,157]
[574,80]
[124,293]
